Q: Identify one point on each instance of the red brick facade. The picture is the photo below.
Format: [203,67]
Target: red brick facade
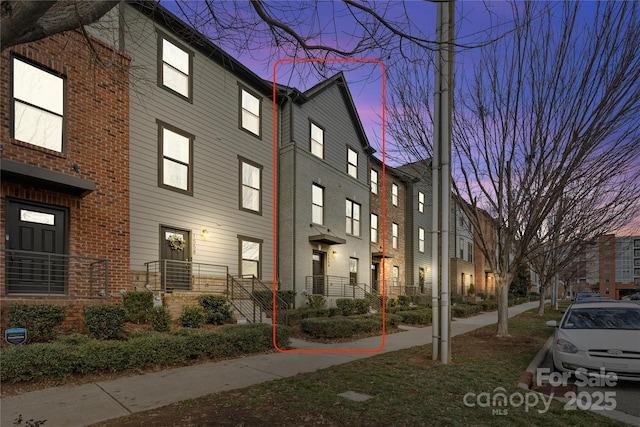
[96,148]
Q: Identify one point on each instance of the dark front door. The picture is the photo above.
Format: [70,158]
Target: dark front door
[318,272]
[36,248]
[375,275]
[175,254]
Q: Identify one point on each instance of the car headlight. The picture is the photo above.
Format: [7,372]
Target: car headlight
[565,346]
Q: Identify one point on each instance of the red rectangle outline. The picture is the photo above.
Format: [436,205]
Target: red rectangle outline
[275,212]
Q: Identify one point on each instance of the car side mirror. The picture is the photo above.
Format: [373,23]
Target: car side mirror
[552,324]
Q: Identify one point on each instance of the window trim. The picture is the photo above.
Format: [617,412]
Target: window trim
[349,164]
[242,238]
[161,35]
[420,202]
[373,230]
[352,220]
[395,232]
[314,204]
[421,239]
[394,194]
[311,124]
[241,161]
[61,76]
[243,88]
[163,125]
[372,182]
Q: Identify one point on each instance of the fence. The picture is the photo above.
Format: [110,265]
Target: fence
[57,275]
[169,275]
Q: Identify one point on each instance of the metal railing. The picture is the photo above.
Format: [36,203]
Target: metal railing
[334,286]
[254,300]
[168,276]
[47,274]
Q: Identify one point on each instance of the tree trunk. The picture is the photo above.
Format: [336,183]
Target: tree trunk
[502,294]
[543,290]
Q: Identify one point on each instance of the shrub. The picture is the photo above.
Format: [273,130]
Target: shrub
[421,300]
[390,303]
[104,321]
[346,306]
[317,302]
[416,317]
[465,310]
[80,354]
[471,290]
[137,306]
[481,295]
[284,299]
[343,327]
[40,320]
[361,306]
[192,316]
[217,309]
[160,319]
[404,300]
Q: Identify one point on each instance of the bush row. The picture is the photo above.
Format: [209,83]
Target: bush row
[80,354]
[465,310]
[422,316]
[343,327]
[353,306]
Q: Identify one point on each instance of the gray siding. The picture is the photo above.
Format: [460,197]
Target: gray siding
[213,119]
[299,169]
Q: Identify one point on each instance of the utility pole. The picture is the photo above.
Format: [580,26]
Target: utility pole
[441,181]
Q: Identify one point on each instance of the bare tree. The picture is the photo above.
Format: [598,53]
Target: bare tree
[546,128]
[26,20]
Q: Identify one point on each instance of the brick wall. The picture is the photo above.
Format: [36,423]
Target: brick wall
[96,139]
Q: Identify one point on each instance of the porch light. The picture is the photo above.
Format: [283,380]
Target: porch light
[205,233]
[335,254]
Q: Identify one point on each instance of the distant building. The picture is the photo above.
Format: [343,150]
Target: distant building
[611,266]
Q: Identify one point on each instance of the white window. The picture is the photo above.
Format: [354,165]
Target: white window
[421,239]
[176,150]
[394,236]
[38,106]
[250,255]
[353,218]
[396,275]
[317,204]
[394,194]
[374,181]
[317,141]
[420,201]
[352,163]
[251,186]
[374,228]
[175,72]
[250,112]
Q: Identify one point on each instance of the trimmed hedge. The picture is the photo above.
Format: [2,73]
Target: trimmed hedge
[192,316]
[317,302]
[160,319]
[138,306]
[421,316]
[295,316]
[217,309]
[78,354]
[465,310]
[351,306]
[343,327]
[40,320]
[105,321]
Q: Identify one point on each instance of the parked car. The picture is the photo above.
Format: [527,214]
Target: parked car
[597,338]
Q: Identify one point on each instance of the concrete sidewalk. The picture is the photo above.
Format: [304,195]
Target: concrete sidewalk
[91,403]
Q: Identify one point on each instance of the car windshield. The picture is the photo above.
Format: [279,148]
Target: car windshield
[602,318]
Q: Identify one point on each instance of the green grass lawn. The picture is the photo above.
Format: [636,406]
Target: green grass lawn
[407,389]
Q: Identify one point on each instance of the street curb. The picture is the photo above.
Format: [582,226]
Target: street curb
[527,377]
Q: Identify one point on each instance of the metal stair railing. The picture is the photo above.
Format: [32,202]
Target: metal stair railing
[253,299]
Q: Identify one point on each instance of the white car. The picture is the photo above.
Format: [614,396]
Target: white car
[598,338]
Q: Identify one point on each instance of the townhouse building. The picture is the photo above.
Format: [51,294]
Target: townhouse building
[64,151]
[323,192]
[201,162]
[391,230]
[419,226]
[462,271]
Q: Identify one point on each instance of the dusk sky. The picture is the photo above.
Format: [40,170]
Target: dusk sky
[476,22]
